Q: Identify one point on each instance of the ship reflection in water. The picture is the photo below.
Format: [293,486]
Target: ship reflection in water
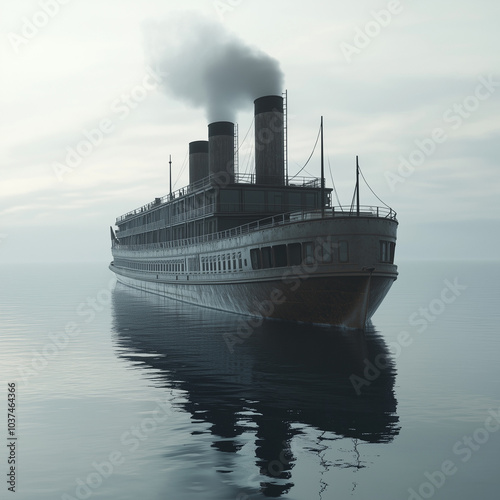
[282,379]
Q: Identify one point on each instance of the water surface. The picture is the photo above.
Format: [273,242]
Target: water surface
[126,395]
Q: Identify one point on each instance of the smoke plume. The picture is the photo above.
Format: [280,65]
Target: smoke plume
[204,64]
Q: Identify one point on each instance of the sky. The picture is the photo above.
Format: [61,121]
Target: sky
[90,114]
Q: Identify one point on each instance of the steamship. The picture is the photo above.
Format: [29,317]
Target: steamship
[259,244]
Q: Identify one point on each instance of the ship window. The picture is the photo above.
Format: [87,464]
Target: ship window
[218,263]
[308,252]
[387,249]
[223,262]
[295,254]
[229,263]
[384,251]
[234,261]
[255,258]
[326,251]
[280,259]
[343,251]
[239,260]
[267,261]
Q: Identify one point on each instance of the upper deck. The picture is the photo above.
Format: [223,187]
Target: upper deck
[211,205]
[213,182]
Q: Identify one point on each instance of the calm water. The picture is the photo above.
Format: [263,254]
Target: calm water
[122,395]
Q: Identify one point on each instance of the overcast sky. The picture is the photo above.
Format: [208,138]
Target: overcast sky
[411,87]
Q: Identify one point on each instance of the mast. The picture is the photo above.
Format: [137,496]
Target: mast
[286,137]
[170,174]
[357,187]
[322,174]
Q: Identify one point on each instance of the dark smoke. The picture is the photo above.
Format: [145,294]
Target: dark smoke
[204,64]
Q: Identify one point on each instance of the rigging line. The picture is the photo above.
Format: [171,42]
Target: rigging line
[372,189]
[246,135]
[333,184]
[314,149]
[355,189]
[352,201]
[184,163]
[249,156]
[303,169]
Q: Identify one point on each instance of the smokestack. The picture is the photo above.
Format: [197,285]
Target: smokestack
[221,150]
[269,141]
[198,161]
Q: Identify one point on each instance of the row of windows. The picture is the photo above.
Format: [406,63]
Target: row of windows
[294,254]
[181,206]
[170,266]
[222,262]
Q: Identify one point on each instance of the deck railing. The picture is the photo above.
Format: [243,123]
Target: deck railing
[268,222]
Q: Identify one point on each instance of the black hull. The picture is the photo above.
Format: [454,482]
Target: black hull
[344,301]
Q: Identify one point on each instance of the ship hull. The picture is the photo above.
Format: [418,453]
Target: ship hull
[338,277]
[341,300]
